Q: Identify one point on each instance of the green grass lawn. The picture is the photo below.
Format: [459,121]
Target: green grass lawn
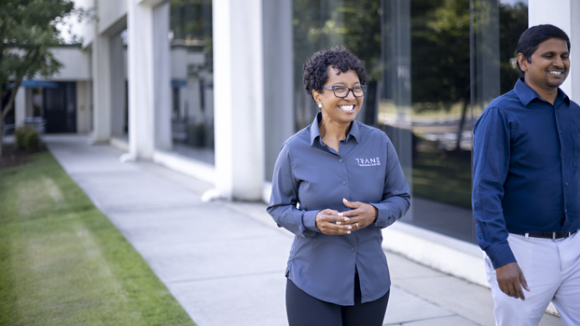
[63,263]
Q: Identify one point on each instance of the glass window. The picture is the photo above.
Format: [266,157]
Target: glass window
[513,21]
[119,86]
[433,67]
[192,120]
[429,103]
[323,24]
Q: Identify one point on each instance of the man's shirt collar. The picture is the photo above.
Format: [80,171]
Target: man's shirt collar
[527,94]
[315,131]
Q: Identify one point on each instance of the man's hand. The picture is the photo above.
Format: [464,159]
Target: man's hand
[329,222]
[361,215]
[511,280]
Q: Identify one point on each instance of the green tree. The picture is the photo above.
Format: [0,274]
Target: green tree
[28,28]
[440,53]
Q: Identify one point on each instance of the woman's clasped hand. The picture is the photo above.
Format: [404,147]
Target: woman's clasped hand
[332,222]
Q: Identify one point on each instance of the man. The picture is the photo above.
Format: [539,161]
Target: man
[526,186]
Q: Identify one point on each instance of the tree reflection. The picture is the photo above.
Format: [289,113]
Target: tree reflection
[321,24]
[442,81]
[441,74]
[513,21]
[191,26]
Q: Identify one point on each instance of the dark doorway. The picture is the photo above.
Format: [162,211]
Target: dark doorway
[9,119]
[60,111]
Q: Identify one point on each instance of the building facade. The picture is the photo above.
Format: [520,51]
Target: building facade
[213,88]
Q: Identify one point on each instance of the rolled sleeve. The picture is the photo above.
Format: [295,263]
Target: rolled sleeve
[491,156]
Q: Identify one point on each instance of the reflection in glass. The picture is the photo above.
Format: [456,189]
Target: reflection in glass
[513,21]
[433,66]
[192,119]
[460,54]
[322,24]
[425,108]
[119,86]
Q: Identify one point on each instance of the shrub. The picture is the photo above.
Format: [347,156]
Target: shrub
[27,138]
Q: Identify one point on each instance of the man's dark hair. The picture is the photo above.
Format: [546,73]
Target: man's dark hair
[533,36]
[316,68]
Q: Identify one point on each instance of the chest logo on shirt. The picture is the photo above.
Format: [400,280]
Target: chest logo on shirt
[368,161]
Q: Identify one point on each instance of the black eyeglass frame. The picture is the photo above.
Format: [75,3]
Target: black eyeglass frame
[363,87]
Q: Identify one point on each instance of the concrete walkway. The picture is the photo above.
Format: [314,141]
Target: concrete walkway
[224,261]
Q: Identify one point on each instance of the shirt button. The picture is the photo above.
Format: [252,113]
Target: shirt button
[560,131]
[351,249]
[340,160]
[565,211]
[344,182]
[566,183]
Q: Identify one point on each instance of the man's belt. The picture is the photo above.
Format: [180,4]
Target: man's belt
[549,235]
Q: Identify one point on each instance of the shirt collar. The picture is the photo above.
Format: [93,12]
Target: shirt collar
[315,132]
[527,94]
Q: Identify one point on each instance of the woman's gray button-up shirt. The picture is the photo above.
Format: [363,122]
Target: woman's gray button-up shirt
[309,177]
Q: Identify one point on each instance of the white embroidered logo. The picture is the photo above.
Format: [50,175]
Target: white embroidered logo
[368,161]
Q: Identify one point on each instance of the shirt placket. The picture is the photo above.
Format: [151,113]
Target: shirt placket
[564,157]
[352,238]
[345,182]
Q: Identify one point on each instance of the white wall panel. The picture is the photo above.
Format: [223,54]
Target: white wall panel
[76,64]
[110,12]
[561,13]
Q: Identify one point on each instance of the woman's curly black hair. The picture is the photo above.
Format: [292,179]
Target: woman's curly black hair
[316,68]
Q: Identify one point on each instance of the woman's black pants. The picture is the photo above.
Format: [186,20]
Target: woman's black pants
[304,310]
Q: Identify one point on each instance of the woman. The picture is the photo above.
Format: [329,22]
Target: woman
[336,184]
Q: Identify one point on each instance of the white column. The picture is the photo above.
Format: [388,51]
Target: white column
[20,107]
[238,94]
[162,77]
[575,52]
[565,15]
[83,107]
[140,75]
[101,88]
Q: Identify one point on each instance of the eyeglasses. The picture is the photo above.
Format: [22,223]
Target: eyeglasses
[342,91]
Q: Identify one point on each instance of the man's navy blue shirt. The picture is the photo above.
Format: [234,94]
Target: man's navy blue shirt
[526,160]
[316,177]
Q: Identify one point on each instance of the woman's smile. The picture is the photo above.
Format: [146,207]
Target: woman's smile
[347,108]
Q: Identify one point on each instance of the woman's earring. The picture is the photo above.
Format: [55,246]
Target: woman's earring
[320,105]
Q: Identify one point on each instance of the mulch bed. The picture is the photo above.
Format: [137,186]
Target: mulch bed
[13,157]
